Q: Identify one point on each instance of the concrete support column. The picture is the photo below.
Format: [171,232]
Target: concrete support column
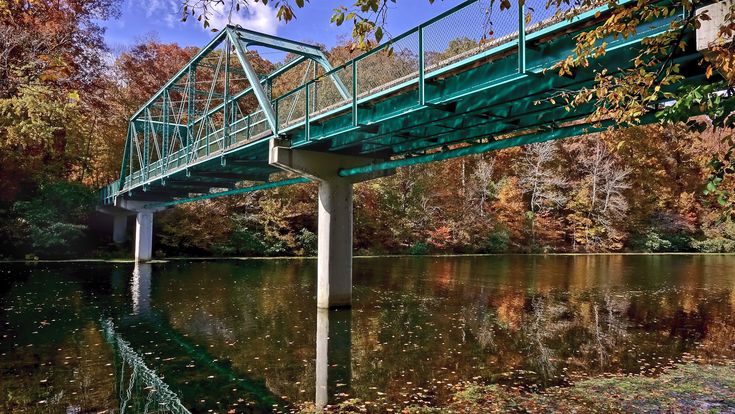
[334,276]
[119,228]
[144,236]
[335,244]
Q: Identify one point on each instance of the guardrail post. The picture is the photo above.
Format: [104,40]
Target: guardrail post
[522,38]
[354,93]
[422,68]
[307,133]
[206,136]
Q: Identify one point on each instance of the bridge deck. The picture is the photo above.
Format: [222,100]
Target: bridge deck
[462,77]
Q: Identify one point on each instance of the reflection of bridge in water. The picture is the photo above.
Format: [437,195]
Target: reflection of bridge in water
[476,78]
[142,389]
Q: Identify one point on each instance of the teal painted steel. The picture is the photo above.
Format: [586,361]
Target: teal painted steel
[444,82]
[244,190]
[522,37]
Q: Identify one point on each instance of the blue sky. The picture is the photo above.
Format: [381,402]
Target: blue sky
[161,18]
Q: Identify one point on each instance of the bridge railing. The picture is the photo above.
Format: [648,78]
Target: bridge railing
[107,193]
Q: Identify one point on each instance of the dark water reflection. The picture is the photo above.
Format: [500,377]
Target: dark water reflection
[246,335]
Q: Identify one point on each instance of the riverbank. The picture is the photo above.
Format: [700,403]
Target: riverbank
[684,388]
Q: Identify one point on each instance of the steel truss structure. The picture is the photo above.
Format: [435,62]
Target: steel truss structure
[474,75]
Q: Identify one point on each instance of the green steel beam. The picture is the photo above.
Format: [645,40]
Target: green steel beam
[265,103]
[250,37]
[126,154]
[244,190]
[226,99]
[533,138]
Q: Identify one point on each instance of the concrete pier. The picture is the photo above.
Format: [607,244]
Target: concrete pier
[144,235]
[334,276]
[334,284]
[120,211]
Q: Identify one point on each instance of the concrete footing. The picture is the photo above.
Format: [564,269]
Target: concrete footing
[144,236]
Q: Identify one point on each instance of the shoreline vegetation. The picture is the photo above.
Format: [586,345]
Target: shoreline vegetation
[681,388]
[361,257]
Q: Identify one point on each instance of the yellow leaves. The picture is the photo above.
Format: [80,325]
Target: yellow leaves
[708,72]
[285,12]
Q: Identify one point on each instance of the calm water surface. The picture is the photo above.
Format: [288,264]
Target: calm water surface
[245,335]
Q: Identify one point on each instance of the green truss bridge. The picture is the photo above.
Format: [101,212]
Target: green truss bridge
[471,80]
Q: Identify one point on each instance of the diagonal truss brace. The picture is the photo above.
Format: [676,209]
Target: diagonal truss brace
[239,37]
[251,38]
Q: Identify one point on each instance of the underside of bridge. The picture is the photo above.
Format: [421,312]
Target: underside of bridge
[472,80]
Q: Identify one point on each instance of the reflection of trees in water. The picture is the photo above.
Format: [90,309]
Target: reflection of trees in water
[608,328]
[553,330]
[543,325]
[481,322]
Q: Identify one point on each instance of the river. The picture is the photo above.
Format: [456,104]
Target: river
[245,335]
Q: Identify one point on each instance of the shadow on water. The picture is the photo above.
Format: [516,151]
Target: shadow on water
[144,326]
[246,335]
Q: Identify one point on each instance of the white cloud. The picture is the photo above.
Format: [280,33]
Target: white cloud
[169,11]
[256,16]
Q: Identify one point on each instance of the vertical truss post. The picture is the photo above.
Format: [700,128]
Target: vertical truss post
[226,97]
[422,68]
[164,132]
[190,109]
[133,136]
[275,109]
[146,151]
[521,38]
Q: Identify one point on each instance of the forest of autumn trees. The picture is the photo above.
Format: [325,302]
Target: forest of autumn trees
[64,103]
